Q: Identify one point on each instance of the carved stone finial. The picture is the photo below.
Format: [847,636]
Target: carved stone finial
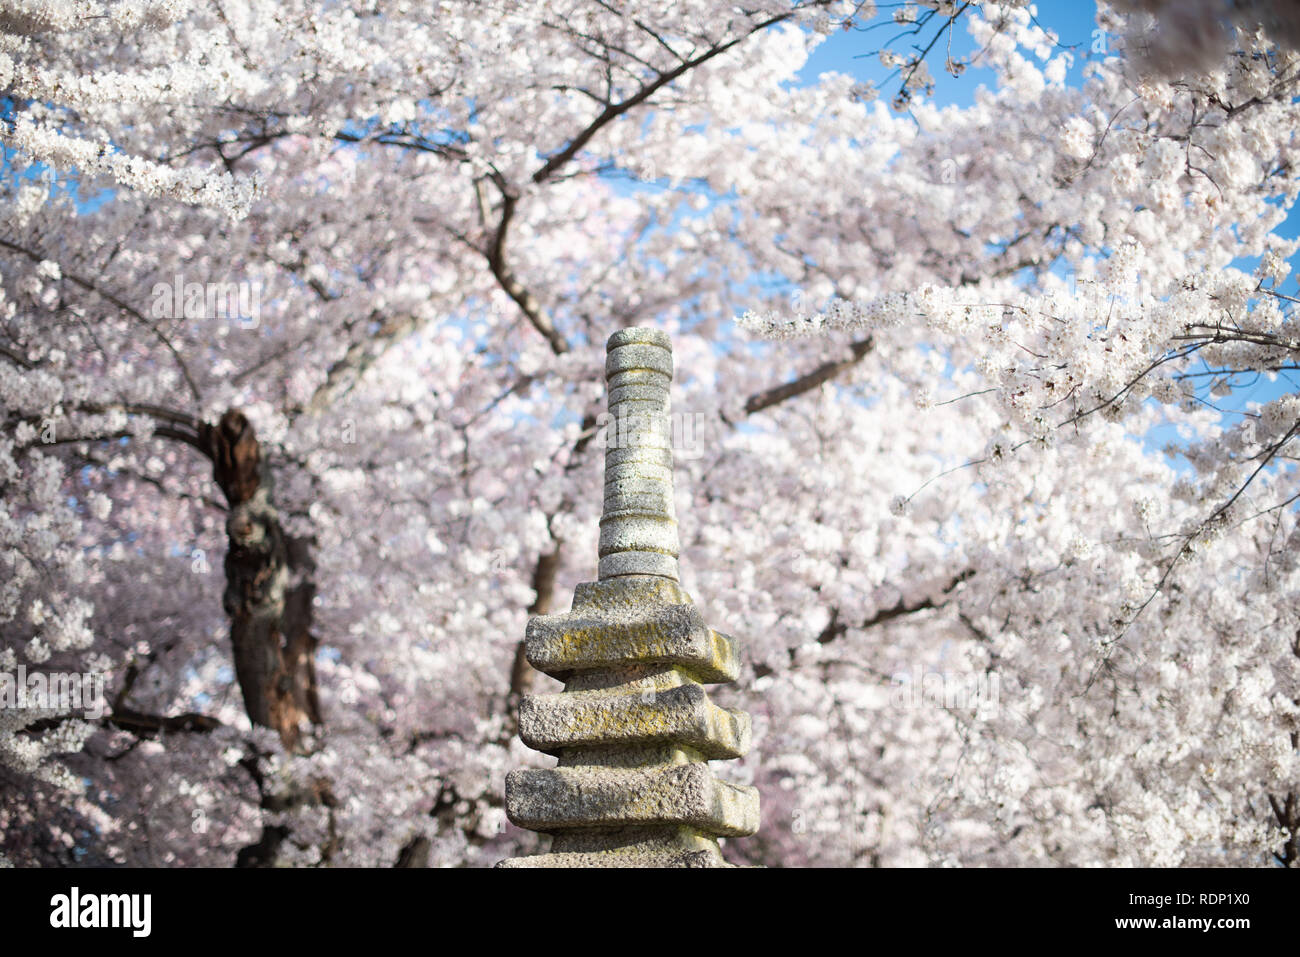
[638,529]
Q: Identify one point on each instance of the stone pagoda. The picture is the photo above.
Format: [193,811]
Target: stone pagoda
[634,728]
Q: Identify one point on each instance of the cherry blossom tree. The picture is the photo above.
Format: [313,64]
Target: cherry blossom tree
[301,352]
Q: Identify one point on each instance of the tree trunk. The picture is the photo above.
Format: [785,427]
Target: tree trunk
[522,673]
[269,589]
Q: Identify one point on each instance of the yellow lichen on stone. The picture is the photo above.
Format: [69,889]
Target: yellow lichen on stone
[672,634]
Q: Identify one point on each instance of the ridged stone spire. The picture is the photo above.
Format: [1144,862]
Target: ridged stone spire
[633,729]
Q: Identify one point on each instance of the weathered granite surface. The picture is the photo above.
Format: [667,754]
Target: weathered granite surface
[634,728]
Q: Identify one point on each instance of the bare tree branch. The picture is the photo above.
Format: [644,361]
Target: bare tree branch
[809,380]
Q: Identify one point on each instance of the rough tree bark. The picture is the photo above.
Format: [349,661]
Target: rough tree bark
[269,588]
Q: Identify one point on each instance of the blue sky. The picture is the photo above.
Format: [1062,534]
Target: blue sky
[853,51]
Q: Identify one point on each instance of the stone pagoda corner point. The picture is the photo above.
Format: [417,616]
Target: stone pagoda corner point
[633,729]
